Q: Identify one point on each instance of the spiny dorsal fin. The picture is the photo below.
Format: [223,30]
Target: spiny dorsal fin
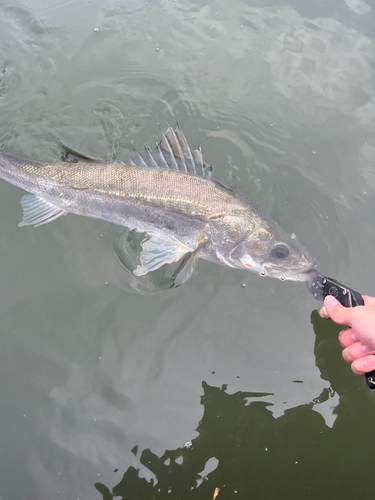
[172,152]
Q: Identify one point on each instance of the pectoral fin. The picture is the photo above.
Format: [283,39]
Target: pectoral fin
[187,266]
[78,156]
[37,211]
[157,251]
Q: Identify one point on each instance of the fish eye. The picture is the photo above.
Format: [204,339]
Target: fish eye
[279,251]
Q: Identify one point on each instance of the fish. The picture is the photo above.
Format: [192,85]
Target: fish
[171,196]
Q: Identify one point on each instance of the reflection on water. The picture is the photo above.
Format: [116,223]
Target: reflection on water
[240,443]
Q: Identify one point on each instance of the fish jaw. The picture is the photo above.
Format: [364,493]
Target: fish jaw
[302,274]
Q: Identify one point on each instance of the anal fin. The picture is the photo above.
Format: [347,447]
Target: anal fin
[37,211]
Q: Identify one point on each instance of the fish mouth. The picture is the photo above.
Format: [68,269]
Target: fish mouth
[305,274]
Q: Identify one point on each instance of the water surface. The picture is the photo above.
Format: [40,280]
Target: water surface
[231,381]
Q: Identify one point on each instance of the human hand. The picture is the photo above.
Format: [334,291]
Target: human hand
[359,339]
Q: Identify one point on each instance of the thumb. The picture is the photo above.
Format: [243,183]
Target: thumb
[338,313]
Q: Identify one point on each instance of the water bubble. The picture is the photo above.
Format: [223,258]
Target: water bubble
[263,272]
[293,236]
[188,445]
[157,49]
[241,26]
[243,285]
[97,29]
[282,278]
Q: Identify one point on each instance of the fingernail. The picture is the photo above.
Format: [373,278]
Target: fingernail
[330,301]
[323,313]
[353,336]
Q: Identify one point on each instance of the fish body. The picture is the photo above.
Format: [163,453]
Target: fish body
[170,195]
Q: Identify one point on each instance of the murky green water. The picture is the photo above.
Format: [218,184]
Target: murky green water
[231,381]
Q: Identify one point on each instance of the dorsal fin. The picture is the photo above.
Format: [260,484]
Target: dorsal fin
[172,152]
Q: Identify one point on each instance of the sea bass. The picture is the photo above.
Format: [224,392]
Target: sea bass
[168,194]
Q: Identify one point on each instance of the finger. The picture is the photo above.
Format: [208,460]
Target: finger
[347,337]
[323,313]
[369,301]
[363,365]
[356,351]
[338,313]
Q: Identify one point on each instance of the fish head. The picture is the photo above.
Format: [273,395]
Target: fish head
[262,246]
